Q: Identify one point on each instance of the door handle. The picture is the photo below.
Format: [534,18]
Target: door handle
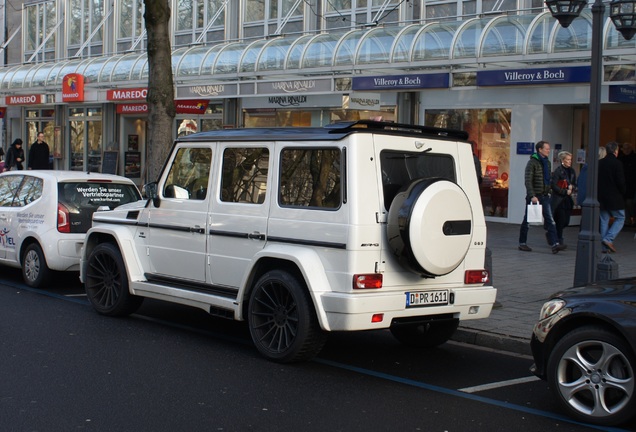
[256,236]
[197,229]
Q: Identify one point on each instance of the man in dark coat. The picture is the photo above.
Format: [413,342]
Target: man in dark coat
[39,154]
[611,192]
[538,178]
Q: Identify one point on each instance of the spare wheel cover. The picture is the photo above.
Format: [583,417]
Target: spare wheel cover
[436,226]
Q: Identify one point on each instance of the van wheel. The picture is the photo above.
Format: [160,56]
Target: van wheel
[34,268]
[424,335]
[107,282]
[282,320]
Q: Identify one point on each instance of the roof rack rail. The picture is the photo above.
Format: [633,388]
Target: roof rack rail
[401,127]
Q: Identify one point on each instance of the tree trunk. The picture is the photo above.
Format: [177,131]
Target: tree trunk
[161,109]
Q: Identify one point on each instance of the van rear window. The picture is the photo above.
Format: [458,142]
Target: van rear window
[81,200]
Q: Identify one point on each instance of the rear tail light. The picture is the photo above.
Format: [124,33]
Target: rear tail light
[63,220]
[476,277]
[367,281]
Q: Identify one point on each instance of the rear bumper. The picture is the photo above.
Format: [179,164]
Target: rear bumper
[64,255]
[351,312]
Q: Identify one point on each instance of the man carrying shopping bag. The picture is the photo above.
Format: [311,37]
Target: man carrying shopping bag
[538,177]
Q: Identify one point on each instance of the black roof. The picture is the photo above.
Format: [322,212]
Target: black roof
[332,132]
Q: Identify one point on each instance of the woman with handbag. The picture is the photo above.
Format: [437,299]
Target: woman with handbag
[563,185]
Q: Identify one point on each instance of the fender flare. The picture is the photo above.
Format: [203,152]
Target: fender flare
[308,263]
[123,237]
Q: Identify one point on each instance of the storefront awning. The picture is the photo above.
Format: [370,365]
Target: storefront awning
[471,43]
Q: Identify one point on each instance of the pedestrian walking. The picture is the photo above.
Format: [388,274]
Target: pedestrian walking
[611,193]
[563,186]
[15,156]
[538,177]
[627,156]
[39,154]
[582,181]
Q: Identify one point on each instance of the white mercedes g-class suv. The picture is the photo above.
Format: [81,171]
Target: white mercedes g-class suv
[302,231]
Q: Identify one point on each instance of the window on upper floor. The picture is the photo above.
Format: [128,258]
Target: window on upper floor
[271,17]
[199,21]
[39,32]
[85,26]
[355,13]
[131,32]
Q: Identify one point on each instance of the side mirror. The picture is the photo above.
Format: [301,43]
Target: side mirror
[150,192]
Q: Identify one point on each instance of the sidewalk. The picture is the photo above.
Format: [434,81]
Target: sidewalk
[524,280]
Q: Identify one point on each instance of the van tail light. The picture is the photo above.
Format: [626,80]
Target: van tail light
[367,281]
[476,277]
[63,219]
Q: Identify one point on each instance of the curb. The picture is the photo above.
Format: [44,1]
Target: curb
[493,340]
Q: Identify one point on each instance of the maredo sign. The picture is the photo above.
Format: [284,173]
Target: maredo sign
[73,88]
[25,99]
[182,107]
[127,94]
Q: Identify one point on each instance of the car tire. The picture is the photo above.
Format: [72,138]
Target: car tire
[430,226]
[34,268]
[591,372]
[424,335]
[106,282]
[282,320]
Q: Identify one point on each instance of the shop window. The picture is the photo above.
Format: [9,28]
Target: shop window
[310,178]
[489,129]
[244,175]
[85,137]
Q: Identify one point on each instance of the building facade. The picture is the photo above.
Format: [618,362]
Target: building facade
[505,71]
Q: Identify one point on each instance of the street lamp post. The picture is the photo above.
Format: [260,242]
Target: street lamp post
[623,15]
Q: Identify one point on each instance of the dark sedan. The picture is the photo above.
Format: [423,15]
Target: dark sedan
[584,345]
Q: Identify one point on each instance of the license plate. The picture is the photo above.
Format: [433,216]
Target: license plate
[426,298]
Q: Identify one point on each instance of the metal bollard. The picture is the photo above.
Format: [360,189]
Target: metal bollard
[607,268]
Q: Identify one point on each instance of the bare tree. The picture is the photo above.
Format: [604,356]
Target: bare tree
[160,85]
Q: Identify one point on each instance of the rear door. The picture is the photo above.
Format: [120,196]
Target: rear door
[239,211]
[177,234]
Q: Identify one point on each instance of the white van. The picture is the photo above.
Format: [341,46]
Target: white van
[301,231]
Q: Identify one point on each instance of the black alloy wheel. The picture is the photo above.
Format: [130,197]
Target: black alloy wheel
[106,282]
[282,320]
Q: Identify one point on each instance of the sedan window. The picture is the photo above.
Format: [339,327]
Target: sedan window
[9,185]
[30,191]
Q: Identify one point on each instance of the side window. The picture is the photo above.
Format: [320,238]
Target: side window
[310,178]
[189,174]
[244,175]
[30,191]
[9,185]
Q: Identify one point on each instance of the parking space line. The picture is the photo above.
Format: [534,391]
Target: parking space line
[498,384]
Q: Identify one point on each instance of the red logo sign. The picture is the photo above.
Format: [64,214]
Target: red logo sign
[73,88]
[191,106]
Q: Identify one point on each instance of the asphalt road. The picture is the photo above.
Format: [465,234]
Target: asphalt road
[63,367]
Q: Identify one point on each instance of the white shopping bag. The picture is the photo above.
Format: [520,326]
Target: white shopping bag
[535,213]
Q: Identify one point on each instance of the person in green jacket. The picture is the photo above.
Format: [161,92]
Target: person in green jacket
[538,178]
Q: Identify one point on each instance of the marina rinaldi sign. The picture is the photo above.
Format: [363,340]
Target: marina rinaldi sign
[539,76]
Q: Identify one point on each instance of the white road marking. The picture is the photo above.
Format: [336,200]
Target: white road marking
[499,384]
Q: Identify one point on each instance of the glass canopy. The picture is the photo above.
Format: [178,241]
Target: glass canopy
[512,38]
